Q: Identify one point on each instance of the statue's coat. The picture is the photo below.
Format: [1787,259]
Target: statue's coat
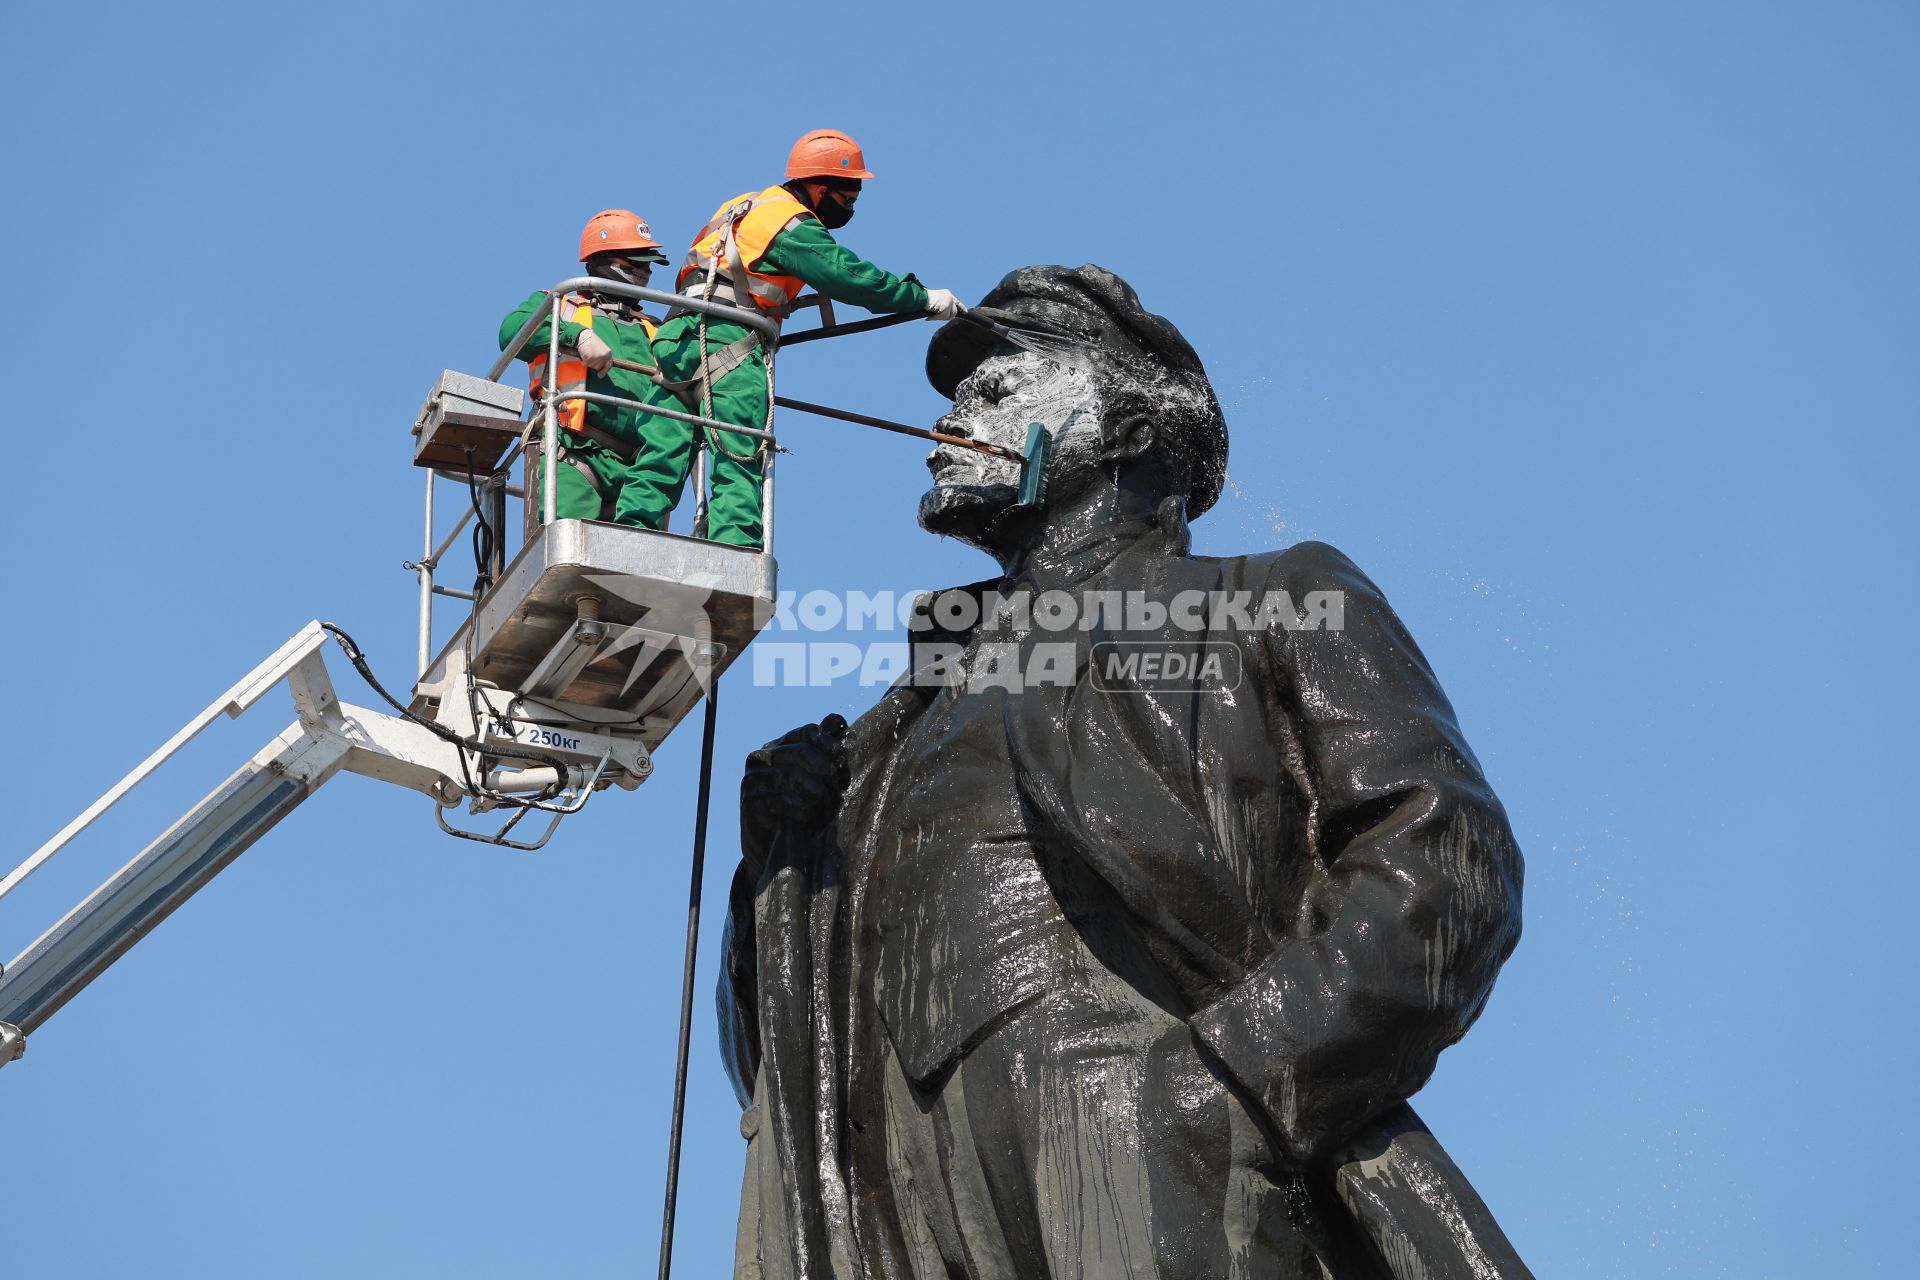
[1313,861]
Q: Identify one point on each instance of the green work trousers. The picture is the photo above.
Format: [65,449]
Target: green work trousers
[574,496]
[653,484]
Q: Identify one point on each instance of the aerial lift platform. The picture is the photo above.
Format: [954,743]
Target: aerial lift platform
[571,663]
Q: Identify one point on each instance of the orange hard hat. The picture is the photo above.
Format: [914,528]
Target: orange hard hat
[826,153]
[618,231]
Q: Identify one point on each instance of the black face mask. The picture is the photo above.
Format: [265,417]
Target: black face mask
[834,208]
[608,266]
[833,212]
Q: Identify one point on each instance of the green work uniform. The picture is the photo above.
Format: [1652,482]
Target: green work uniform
[659,474]
[576,496]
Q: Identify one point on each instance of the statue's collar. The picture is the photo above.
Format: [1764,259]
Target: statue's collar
[1163,533]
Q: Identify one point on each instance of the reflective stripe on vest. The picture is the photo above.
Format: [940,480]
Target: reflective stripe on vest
[734,241]
[573,371]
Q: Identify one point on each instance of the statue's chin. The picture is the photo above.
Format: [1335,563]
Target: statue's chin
[969,512]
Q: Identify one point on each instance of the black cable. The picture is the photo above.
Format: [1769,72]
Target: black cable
[439,730]
[686,982]
[485,542]
[485,538]
[626,726]
[482,579]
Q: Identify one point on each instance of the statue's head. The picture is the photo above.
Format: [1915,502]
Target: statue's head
[1128,405]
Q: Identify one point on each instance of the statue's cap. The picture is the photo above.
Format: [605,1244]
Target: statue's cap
[1097,307]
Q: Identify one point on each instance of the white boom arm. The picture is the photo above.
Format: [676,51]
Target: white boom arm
[328,736]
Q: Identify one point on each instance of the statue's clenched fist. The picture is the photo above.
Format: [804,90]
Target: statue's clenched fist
[793,783]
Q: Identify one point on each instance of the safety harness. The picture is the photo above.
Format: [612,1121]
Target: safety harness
[716,270]
[724,257]
[573,377]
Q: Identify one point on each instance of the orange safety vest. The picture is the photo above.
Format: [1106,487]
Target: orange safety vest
[573,370]
[731,246]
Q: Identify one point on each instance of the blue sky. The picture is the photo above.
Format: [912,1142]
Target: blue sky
[1587,331]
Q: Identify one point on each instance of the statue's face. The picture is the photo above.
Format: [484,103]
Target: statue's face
[972,490]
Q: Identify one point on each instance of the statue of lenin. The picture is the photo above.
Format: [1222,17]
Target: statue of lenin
[1114,946]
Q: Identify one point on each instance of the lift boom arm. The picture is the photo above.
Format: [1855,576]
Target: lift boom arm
[328,736]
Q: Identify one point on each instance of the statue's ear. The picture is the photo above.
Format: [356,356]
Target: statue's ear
[1127,431]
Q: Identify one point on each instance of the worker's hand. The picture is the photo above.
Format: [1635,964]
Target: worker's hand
[594,351]
[942,305]
[793,784]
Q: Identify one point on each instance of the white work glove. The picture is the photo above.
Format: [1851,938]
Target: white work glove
[942,305]
[594,352]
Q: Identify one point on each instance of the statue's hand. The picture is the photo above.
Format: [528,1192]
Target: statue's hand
[792,783]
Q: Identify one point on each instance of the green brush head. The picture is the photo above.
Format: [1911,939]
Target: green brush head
[1033,470]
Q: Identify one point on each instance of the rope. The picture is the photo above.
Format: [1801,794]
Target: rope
[706,383]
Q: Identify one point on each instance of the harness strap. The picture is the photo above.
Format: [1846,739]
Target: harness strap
[723,276]
[724,291]
[716,366]
[579,464]
[613,444]
[569,457]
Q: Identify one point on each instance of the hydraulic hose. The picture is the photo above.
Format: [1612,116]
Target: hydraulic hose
[686,981]
[439,730]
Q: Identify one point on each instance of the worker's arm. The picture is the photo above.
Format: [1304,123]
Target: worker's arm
[808,250]
[537,344]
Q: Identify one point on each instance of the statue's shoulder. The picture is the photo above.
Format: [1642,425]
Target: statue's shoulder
[1304,566]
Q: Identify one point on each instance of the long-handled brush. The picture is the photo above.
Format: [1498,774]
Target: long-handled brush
[1032,459]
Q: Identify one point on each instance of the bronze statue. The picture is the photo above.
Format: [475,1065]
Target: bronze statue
[1112,941]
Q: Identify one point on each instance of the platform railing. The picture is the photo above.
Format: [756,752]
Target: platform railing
[545,414]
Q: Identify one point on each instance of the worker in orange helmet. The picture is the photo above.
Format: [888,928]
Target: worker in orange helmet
[597,441]
[757,252]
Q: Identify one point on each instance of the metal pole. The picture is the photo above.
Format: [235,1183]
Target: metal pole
[686,977]
[900,428]
[497,517]
[466,514]
[550,433]
[842,330]
[674,301]
[694,419]
[425,573]
[766,504]
[518,341]
[700,482]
